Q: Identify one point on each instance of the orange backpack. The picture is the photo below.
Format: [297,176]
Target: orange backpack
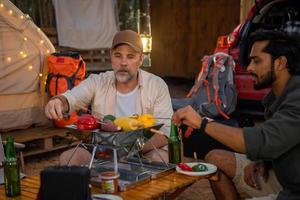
[65,70]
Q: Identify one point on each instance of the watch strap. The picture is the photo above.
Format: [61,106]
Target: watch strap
[203,124]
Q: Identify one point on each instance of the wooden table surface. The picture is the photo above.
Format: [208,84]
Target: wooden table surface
[163,186]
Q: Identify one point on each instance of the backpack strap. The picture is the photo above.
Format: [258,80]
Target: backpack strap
[49,77]
[206,61]
[57,76]
[219,66]
[73,77]
[202,75]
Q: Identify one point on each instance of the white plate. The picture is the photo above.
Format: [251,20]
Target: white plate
[211,169]
[106,196]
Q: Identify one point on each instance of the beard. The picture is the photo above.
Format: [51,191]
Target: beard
[266,80]
[123,75]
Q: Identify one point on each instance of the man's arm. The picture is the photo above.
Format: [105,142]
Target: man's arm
[158,140]
[161,108]
[229,136]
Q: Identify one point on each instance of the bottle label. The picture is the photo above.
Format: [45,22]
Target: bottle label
[108,186]
[174,153]
[12,178]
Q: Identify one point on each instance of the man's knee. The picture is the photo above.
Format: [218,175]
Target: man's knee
[216,156]
[160,155]
[78,157]
[224,160]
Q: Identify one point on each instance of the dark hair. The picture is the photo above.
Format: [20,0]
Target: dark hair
[281,44]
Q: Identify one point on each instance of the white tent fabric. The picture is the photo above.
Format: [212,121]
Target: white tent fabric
[23,49]
[85,24]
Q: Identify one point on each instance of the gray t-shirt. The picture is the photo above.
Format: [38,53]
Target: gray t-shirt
[278,138]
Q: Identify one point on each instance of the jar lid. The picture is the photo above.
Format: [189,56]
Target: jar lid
[109,175]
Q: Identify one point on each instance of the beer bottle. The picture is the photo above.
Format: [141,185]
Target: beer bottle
[11,170]
[174,145]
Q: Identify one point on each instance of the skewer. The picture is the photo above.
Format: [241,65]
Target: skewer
[195,156]
[157,131]
[161,118]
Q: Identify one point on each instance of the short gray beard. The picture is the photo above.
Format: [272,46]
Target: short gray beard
[123,79]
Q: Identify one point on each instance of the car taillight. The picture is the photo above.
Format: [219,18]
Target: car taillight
[222,42]
[225,41]
[232,39]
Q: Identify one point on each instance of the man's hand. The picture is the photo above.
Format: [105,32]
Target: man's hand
[187,116]
[252,172]
[54,109]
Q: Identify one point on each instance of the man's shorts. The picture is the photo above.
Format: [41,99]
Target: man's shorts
[269,190]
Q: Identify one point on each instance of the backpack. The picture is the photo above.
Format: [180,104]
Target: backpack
[213,94]
[65,70]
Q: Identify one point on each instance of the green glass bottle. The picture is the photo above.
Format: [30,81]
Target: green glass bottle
[11,169]
[174,145]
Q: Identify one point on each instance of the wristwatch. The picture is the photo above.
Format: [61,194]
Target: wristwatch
[203,124]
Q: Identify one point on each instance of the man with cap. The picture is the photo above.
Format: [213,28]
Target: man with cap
[124,91]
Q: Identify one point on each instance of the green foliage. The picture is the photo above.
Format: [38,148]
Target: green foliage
[129,14]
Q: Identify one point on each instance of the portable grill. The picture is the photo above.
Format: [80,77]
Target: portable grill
[127,157]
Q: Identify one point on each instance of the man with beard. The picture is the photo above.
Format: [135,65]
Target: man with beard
[275,143]
[125,91]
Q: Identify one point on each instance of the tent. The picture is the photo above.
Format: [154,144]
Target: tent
[23,49]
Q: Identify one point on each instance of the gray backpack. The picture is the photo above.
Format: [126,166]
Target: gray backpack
[213,94]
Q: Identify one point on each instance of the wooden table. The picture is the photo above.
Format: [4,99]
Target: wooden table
[167,186]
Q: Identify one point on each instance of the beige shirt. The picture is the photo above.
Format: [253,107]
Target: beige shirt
[99,91]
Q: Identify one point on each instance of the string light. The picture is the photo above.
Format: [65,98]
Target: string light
[23,53]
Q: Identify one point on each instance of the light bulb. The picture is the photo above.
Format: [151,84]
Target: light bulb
[8,59]
[21,53]
[30,67]
[10,12]
[48,51]
[41,41]
[25,38]
[1,5]
[40,74]
[21,17]
[24,55]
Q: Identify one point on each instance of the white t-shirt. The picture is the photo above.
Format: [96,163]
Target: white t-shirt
[126,103]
